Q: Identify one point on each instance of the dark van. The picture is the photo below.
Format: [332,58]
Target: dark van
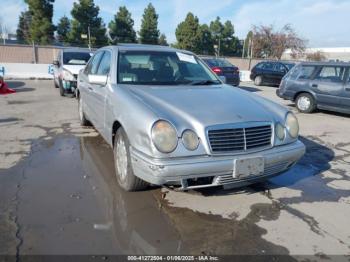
[323,85]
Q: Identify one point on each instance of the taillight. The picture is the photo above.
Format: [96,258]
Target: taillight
[217,70]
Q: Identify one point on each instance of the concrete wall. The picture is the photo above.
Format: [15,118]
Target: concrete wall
[28,54]
[26,71]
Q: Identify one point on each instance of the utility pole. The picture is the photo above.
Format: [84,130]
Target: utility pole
[243,49]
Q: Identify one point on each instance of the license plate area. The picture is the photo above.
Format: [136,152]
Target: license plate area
[247,167]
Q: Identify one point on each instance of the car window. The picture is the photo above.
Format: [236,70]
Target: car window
[76,58]
[260,65]
[279,67]
[305,72]
[92,66]
[161,68]
[218,62]
[105,64]
[331,74]
[268,66]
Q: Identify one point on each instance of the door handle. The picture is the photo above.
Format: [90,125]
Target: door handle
[347,89]
[314,85]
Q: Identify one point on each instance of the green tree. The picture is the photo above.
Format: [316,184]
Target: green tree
[223,34]
[207,41]
[86,16]
[63,29]
[41,28]
[121,28]
[188,34]
[162,40]
[149,33]
[23,34]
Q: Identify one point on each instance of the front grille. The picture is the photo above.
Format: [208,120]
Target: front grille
[239,139]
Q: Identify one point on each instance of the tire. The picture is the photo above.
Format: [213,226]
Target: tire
[82,118]
[122,161]
[305,103]
[62,92]
[55,84]
[258,80]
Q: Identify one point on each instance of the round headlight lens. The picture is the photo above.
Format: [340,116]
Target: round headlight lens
[280,132]
[190,140]
[164,136]
[292,125]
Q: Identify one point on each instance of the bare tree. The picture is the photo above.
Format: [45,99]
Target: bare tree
[316,56]
[271,43]
[3,30]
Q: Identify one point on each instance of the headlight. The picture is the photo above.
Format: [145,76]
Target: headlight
[292,125]
[190,140]
[280,131]
[164,136]
[68,76]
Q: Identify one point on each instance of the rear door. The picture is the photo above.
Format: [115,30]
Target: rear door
[345,97]
[279,71]
[328,85]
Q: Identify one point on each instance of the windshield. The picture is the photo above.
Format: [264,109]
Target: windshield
[162,68]
[218,62]
[76,58]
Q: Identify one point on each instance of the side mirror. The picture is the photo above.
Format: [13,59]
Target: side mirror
[56,63]
[223,79]
[98,80]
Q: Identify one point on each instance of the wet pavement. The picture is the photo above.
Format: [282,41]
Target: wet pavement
[58,193]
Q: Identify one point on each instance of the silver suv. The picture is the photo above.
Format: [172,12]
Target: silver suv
[323,85]
[170,120]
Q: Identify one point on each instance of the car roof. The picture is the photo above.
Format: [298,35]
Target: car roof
[143,47]
[329,63]
[76,50]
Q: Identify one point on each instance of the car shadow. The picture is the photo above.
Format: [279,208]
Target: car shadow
[250,88]
[315,161]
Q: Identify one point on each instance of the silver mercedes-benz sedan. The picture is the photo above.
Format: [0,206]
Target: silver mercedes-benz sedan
[171,121]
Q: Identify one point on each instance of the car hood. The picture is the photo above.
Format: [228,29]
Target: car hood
[74,69]
[203,105]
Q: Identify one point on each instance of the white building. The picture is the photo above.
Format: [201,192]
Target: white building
[332,53]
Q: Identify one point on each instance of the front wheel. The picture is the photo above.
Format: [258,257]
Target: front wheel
[125,175]
[82,118]
[305,103]
[258,80]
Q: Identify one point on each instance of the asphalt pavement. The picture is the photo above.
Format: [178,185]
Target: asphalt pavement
[58,192]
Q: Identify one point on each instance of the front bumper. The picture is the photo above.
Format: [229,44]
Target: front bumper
[214,170]
[69,86]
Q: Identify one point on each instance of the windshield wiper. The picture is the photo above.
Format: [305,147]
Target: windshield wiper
[204,82]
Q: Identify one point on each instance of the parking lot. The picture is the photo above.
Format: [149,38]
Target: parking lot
[59,194]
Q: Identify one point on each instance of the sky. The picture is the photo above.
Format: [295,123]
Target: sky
[324,23]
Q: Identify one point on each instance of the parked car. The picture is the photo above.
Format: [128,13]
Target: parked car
[170,120]
[323,85]
[222,67]
[67,66]
[269,72]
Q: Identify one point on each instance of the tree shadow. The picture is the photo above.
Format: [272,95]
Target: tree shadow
[19,86]
[9,120]
[15,84]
